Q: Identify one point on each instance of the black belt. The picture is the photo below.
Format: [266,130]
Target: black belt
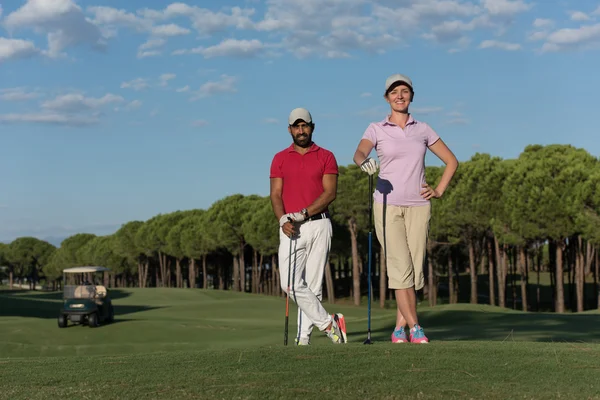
[318,216]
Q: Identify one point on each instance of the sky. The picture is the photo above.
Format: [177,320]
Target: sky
[113,111]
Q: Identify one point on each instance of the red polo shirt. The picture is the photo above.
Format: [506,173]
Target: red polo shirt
[302,175]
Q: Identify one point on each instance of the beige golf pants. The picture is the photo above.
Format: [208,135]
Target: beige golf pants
[406,230]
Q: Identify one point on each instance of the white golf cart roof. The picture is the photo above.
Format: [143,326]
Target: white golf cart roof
[76,270]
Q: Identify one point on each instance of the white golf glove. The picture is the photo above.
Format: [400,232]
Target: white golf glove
[295,217]
[298,217]
[369,166]
[285,218]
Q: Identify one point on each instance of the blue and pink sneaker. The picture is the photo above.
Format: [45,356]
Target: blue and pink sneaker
[399,335]
[417,335]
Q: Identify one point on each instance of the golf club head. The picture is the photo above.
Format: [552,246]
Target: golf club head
[368,341]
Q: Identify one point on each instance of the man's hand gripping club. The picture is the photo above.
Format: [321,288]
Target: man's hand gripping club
[286,222]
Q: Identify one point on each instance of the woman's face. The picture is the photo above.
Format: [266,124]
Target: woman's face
[399,98]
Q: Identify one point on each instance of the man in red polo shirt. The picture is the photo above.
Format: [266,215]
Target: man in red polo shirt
[303,184]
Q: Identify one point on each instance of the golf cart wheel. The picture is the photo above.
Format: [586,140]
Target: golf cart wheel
[93,320]
[62,321]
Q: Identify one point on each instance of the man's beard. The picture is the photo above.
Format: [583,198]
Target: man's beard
[303,140]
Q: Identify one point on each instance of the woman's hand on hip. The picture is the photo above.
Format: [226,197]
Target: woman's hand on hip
[428,192]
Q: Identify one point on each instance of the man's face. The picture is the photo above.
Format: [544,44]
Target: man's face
[301,133]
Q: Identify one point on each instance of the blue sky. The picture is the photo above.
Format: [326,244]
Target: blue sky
[110,114]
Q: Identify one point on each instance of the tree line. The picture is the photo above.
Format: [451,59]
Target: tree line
[503,224]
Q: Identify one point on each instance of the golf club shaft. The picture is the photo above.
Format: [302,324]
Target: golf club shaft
[370,256]
[287,298]
[369,280]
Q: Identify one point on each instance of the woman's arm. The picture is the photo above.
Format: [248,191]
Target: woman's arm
[442,151]
[362,151]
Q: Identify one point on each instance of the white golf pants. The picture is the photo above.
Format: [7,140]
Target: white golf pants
[310,251]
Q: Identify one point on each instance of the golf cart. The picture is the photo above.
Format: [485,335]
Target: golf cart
[84,302]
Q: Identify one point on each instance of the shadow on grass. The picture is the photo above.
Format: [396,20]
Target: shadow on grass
[114,294]
[48,305]
[117,320]
[448,325]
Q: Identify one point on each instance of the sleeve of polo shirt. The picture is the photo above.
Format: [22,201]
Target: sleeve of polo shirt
[331,166]
[276,168]
[370,135]
[430,135]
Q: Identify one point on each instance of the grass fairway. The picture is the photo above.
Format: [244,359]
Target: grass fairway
[169,343]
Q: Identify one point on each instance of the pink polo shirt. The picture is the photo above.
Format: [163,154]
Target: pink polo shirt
[401,154]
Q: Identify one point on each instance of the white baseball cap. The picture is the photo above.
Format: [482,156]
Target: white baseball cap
[299,113]
[395,78]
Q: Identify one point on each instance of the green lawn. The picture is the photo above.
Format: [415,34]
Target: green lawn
[169,343]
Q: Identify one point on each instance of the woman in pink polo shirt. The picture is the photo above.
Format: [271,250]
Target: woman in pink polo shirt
[401,202]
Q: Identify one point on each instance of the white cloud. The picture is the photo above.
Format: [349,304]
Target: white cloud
[505,7]
[579,16]
[12,49]
[17,94]
[62,20]
[134,105]
[454,30]
[203,20]
[148,53]
[76,102]
[329,28]
[271,121]
[489,44]
[150,48]
[112,17]
[186,88]
[152,43]
[165,78]
[543,23]
[49,118]
[136,84]
[169,30]
[227,48]
[336,28]
[307,28]
[572,38]
[139,84]
[366,94]
[540,35]
[225,85]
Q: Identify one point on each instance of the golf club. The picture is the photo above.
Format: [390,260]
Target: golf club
[287,297]
[368,341]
